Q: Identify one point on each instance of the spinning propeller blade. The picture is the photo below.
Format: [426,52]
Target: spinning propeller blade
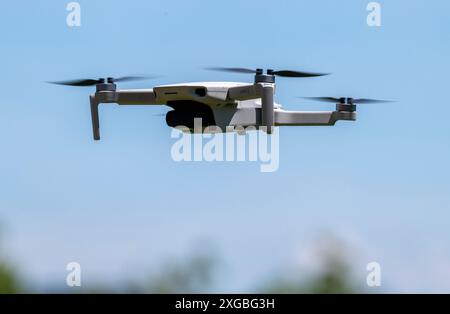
[369,101]
[347,100]
[80,82]
[281,73]
[234,70]
[324,99]
[92,82]
[289,73]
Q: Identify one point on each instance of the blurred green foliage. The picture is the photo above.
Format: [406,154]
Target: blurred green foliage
[335,276]
[197,273]
[9,282]
[194,276]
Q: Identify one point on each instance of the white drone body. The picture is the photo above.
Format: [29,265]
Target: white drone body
[226,105]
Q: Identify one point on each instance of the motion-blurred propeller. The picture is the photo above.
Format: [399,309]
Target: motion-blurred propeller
[347,100]
[281,73]
[92,82]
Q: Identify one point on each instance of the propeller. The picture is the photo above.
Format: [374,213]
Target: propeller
[281,73]
[347,100]
[92,82]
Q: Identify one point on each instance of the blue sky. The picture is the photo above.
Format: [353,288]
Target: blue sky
[120,206]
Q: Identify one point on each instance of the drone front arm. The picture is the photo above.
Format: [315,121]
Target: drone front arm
[136,97]
[244,92]
[311,118]
[128,97]
[121,97]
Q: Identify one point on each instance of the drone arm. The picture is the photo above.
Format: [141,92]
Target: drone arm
[128,97]
[121,97]
[136,97]
[311,118]
[244,92]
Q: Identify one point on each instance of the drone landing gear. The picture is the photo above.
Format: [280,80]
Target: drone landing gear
[105,92]
[95,119]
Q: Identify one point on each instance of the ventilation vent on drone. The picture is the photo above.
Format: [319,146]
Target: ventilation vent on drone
[201,92]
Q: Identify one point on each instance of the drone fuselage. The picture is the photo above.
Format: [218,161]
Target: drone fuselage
[222,104]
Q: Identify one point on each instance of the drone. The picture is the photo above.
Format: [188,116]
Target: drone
[227,105]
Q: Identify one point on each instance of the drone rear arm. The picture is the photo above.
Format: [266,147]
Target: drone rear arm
[254,117]
[311,118]
[268,116]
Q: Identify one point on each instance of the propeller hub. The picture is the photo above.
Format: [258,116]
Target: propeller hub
[264,78]
[108,87]
[345,107]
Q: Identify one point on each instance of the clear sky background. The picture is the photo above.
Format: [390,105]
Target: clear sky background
[121,206]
